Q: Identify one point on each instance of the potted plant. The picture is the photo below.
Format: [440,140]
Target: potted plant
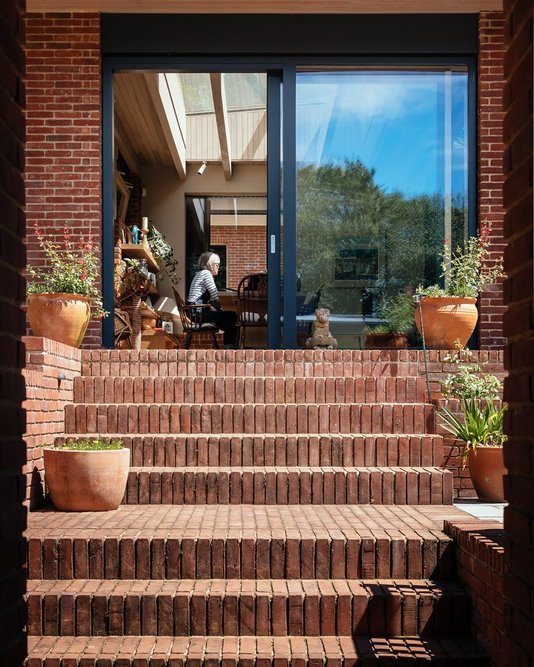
[87,475]
[449,313]
[479,424]
[397,312]
[64,294]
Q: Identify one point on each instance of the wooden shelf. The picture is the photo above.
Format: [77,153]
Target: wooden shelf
[140,251]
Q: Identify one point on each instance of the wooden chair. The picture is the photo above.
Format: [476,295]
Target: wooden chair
[251,303]
[191,317]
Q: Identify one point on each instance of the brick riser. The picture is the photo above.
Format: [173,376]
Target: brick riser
[249,390]
[281,450]
[248,418]
[289,486]
[261,608]
[247,651]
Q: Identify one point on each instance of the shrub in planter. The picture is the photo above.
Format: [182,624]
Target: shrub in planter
[87,475]
[397,312]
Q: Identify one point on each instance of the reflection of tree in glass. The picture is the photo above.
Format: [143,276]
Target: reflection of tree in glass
[352,236]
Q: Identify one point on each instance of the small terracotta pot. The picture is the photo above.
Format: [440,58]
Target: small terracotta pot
[60,317]
[86,481]
[447,319]
[486,467]
[390,341]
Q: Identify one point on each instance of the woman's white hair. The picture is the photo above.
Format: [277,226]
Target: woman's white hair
[207,259]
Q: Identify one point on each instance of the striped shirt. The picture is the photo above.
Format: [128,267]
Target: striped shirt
[202,283]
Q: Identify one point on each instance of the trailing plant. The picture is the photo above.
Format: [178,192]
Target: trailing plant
[467,269]
[482,425]
[91,444]
[70,269]
[164,255]
[470,381]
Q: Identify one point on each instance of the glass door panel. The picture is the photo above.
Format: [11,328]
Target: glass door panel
[382,184]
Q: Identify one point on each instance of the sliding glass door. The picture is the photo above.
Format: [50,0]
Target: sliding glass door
[381,185]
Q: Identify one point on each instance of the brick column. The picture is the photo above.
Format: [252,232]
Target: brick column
[64,155]
[519,328]
[490,165]
[12,262]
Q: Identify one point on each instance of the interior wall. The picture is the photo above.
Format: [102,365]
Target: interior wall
[164,203]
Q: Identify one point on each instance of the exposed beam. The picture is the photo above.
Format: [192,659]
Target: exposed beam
[221,118]
[266,6]
[169,117]
[125,147]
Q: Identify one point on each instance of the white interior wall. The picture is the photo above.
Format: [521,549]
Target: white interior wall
[164,203]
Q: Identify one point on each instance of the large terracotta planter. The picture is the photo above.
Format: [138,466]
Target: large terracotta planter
[390,341]
[60,317]
[86,481]
[447,319]
[486,467]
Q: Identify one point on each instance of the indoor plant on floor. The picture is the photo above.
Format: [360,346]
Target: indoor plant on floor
[87,475]
[397,313]
[64,294]
[478,425]
[450,313]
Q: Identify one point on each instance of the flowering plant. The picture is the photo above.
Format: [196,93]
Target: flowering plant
[70,270]
[467,269]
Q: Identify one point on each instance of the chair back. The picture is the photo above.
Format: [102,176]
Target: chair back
[191,317]
[252,300]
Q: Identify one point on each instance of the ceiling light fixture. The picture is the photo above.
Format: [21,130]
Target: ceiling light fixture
[202,168]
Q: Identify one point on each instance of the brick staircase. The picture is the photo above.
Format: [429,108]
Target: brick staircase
[282,508]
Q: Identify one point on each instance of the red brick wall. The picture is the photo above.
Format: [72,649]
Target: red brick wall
[480,564]
[519,328]
[246,250]
[64,157]
[46,396]
[490,165]
[12,262]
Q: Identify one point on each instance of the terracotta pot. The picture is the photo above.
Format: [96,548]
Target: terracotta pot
[486,467]
[60,317]
[86,481]
[392,341]
[447,319]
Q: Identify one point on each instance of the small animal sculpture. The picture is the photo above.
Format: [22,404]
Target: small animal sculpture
[321,337]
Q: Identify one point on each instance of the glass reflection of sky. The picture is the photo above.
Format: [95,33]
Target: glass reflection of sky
[394,122]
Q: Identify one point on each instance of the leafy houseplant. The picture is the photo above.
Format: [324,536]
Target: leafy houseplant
[87,475]
[449,313]
[64,294]
[397,312]
[479,426]
[164,255]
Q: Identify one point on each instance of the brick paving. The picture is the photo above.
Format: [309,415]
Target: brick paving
[286,510]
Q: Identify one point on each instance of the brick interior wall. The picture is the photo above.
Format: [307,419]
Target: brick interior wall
[46,395]
[519,329]
[490,166]
[64,159]
[13,647]
[246,250]
[480,563]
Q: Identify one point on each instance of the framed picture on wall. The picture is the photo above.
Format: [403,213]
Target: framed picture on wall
[357,261]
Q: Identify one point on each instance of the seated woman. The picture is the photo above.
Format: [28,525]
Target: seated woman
[204,290]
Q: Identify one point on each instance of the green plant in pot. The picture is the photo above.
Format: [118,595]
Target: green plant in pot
[89,474]
[449,313]
[163,254]
[64,294]
[478,424]
[397,313]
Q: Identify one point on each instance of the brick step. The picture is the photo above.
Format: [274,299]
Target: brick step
[243,542]
[261,363]
[280,450]
[454,651]
[249,389]
[289,486]
[271,607]
[249,418]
